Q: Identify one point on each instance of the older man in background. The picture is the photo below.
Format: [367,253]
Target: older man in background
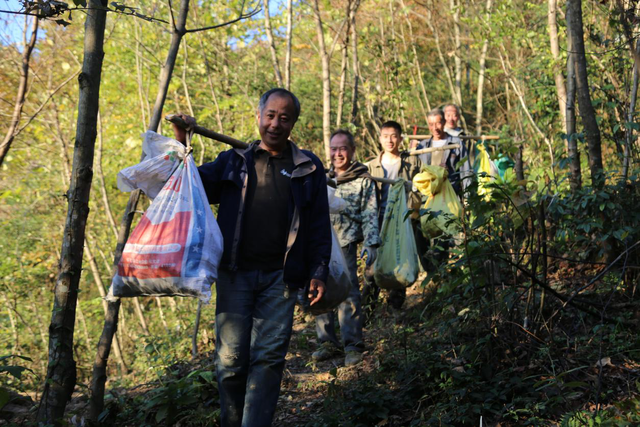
[357,223]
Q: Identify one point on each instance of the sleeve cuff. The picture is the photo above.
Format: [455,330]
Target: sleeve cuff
[321,273]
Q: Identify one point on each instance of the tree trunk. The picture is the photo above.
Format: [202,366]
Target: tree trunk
[326,83]
[95,271]
[481,72]
[575,173]
[354,62]
[136,301]
[178,32]
[628,143]
[209,79]
[103,187]
[520,97]
[436,38]
[519,166]
[22,89]
[61,372]
[587,112]
[457,61]
[555,52]
[272,45]
[343,80]
[99,375]
[144,102]
[287,60]
[416,62]
[185,87]
[343,67]
[194,336]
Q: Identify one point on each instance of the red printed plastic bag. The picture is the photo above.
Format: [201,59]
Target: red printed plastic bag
[176,247]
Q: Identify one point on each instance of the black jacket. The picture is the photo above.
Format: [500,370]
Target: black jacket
[309,242]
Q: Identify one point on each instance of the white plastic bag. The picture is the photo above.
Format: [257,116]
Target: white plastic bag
[162,156]
[176,247]
[338,282]
[336,204]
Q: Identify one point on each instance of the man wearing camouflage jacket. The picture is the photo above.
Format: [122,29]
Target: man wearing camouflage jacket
[358,222]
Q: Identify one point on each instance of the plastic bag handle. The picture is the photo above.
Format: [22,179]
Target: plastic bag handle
[189,136]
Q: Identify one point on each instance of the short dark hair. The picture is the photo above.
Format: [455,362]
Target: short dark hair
[280,92]
[436,112]
[454,106]
[349,135]
[392,124]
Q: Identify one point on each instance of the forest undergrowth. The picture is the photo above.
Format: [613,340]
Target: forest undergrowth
[533,321]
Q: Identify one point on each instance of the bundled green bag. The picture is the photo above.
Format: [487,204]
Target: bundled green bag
[433,182]
[396,266]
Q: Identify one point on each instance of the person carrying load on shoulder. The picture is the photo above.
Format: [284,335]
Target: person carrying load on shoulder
[357,223]
[392,163]
[459,173]
[274,217]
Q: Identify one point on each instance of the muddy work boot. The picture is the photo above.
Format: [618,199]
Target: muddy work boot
[352,358]
[326,351]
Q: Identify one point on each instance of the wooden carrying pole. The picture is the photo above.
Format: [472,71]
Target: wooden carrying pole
[236,143]
[463,137]
[432,149]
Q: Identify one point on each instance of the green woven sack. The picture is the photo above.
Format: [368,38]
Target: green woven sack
[396,266]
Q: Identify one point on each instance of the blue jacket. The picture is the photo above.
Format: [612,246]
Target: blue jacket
[309,242]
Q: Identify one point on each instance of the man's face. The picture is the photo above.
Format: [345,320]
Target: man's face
[276,120]
[451,117]
[341,152]
[436,127]
[390,140]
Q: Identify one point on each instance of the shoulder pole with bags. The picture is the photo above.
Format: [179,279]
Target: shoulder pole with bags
[235,143]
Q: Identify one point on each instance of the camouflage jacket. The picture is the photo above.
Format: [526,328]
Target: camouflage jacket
[358,222]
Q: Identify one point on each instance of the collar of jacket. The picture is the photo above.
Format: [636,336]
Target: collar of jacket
[377,162]
[302,163]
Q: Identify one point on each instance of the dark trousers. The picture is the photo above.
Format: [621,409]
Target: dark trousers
[254,318]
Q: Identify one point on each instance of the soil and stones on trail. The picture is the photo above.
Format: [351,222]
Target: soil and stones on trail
[306,383]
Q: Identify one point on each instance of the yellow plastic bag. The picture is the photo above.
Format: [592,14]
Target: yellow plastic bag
[397,265]
[433,182]
[491,172]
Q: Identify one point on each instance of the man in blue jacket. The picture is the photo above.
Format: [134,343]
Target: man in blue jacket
[274,217]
